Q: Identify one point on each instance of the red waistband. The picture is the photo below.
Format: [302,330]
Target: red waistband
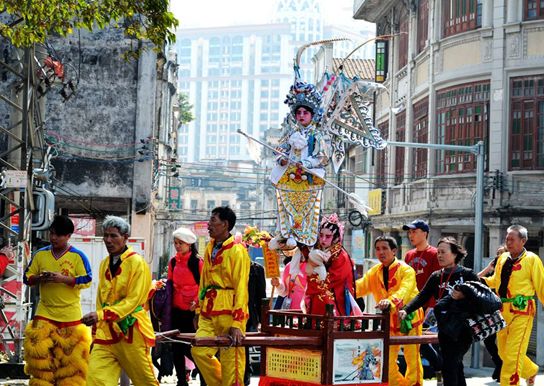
[58,324]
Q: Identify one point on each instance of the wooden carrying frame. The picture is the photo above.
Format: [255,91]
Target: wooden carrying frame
[303,350]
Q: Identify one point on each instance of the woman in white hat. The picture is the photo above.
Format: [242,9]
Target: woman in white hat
[184,270]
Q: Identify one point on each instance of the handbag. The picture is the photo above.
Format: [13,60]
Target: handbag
[483,326]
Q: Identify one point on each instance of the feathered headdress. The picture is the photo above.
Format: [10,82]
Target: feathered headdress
[302,94]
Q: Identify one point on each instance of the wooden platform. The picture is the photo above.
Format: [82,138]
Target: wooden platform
[303,349]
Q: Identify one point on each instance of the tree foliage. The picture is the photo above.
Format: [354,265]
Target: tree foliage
[26,22]
[185,114]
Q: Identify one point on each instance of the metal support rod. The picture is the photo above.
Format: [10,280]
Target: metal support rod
[436,146]
[12,104]
[478,232]
[11,69]
[478,150]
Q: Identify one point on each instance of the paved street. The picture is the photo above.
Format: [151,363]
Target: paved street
[479,377]
[475,377]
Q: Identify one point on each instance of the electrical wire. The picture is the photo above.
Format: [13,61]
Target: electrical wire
[88,209]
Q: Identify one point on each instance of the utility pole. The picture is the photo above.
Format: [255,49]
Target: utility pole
[24,151]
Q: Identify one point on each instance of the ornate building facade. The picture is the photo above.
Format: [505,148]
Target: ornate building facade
[459,72]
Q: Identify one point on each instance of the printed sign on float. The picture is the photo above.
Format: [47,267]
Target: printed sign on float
[271,262]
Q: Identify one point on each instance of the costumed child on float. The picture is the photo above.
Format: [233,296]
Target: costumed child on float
[298,176]
[330,272]
[298,179]
[305,149]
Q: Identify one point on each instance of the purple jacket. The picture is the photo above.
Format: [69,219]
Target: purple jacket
[161,307]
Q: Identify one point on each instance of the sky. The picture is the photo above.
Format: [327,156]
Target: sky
[215,13]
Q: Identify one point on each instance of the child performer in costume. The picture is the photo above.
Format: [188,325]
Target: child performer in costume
[298,180]
[56,342]
[291,287]
[330,270]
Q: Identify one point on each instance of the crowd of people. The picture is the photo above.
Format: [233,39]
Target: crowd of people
[219,294]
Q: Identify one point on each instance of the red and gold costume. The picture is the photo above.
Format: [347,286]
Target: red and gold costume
[56,342]
[331,290]
[223,304]
[518,310]
[401,289]
[123,335]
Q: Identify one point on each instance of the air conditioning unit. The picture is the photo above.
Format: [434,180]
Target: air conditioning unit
[44,202]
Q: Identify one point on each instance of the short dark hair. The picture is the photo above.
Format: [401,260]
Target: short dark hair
[225,214]
[62,225]
[456,248]
[388,239]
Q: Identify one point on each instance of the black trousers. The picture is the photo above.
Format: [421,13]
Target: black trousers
[432,355]
[453,352]
[490,344]
[183,321]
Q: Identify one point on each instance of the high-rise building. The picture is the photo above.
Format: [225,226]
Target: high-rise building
[237,76]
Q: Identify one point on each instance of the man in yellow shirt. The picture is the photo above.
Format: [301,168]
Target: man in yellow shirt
[223,306]
[392,283]
[56,342]
[122,330]
[518,279]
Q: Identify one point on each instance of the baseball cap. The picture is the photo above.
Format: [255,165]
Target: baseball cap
[417,224]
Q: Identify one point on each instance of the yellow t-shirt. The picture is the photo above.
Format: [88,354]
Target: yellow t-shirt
[58,301]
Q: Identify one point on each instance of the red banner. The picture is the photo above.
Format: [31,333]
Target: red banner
[200,228]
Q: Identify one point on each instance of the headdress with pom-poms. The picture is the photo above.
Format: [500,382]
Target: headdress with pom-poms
[302,94]
[333,219]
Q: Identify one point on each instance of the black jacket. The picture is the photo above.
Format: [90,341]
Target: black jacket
[451,314]
[257,291]
[440,284]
